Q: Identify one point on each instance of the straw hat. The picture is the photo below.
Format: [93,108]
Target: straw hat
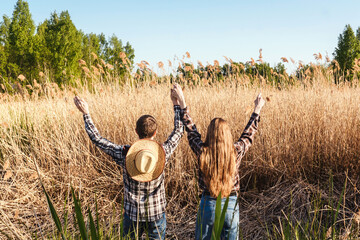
[145,160]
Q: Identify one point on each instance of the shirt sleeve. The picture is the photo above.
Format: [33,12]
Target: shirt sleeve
[174,138]
[112,149]
[194,137]
[247,137]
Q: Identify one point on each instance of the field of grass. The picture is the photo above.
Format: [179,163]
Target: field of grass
[299,179]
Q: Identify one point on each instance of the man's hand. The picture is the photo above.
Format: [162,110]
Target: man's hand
[179,95]
[81,105]
[259,103]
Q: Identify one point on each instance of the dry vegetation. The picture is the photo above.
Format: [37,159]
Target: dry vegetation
[307,134]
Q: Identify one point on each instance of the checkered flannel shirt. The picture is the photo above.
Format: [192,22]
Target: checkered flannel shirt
[241,146]
[142,200]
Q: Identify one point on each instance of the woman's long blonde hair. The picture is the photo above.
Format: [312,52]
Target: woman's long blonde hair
[218,158]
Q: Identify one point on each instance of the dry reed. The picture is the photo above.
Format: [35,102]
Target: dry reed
[303,134]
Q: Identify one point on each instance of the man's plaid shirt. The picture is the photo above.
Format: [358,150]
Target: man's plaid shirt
[142,200]
[241,146]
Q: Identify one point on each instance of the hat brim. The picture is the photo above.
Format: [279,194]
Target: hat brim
[156,149]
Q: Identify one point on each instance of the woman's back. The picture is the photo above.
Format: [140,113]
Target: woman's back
[218,158]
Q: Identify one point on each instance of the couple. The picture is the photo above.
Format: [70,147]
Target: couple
[143,168]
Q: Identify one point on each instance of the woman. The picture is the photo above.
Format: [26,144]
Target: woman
[218,164]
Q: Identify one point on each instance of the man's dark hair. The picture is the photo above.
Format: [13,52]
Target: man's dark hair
[146,126]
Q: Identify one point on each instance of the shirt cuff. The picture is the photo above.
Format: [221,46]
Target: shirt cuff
[86,116]
[183,111]
[255,116]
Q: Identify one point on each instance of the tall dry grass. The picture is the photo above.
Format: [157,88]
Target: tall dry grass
[304,133]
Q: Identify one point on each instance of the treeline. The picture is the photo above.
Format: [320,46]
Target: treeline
[250,72]
[251,69]
[56,50]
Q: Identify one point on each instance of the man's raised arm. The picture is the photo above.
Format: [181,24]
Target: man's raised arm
[112,149]
[174,138]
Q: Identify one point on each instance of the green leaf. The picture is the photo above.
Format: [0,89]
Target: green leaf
[97,218]
[222,218]
[79,217]
[215,229]
[54,214]
[66,214]
[94,233]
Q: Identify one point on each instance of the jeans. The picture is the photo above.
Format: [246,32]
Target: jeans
[153,230]
[206,217]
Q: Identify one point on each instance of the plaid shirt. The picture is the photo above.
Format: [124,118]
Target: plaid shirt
[142,200]
[241,146]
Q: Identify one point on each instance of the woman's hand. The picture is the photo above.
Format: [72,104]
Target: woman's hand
[81,105]
[259,103]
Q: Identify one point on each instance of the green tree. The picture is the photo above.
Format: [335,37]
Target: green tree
[280,68]
[4,30]
[130,52]
[20,40]
[63,42]
[358,33]
[113,50]
[4,36]
[3,62]
[91,44]
[113,55]
[42,54]
[347,50]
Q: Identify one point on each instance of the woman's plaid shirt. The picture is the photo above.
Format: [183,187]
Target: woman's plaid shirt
[241,146]
[142,200]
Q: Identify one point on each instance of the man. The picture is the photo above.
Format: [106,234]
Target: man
[143,164]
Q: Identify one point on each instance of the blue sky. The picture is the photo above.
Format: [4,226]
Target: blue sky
[209,30]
